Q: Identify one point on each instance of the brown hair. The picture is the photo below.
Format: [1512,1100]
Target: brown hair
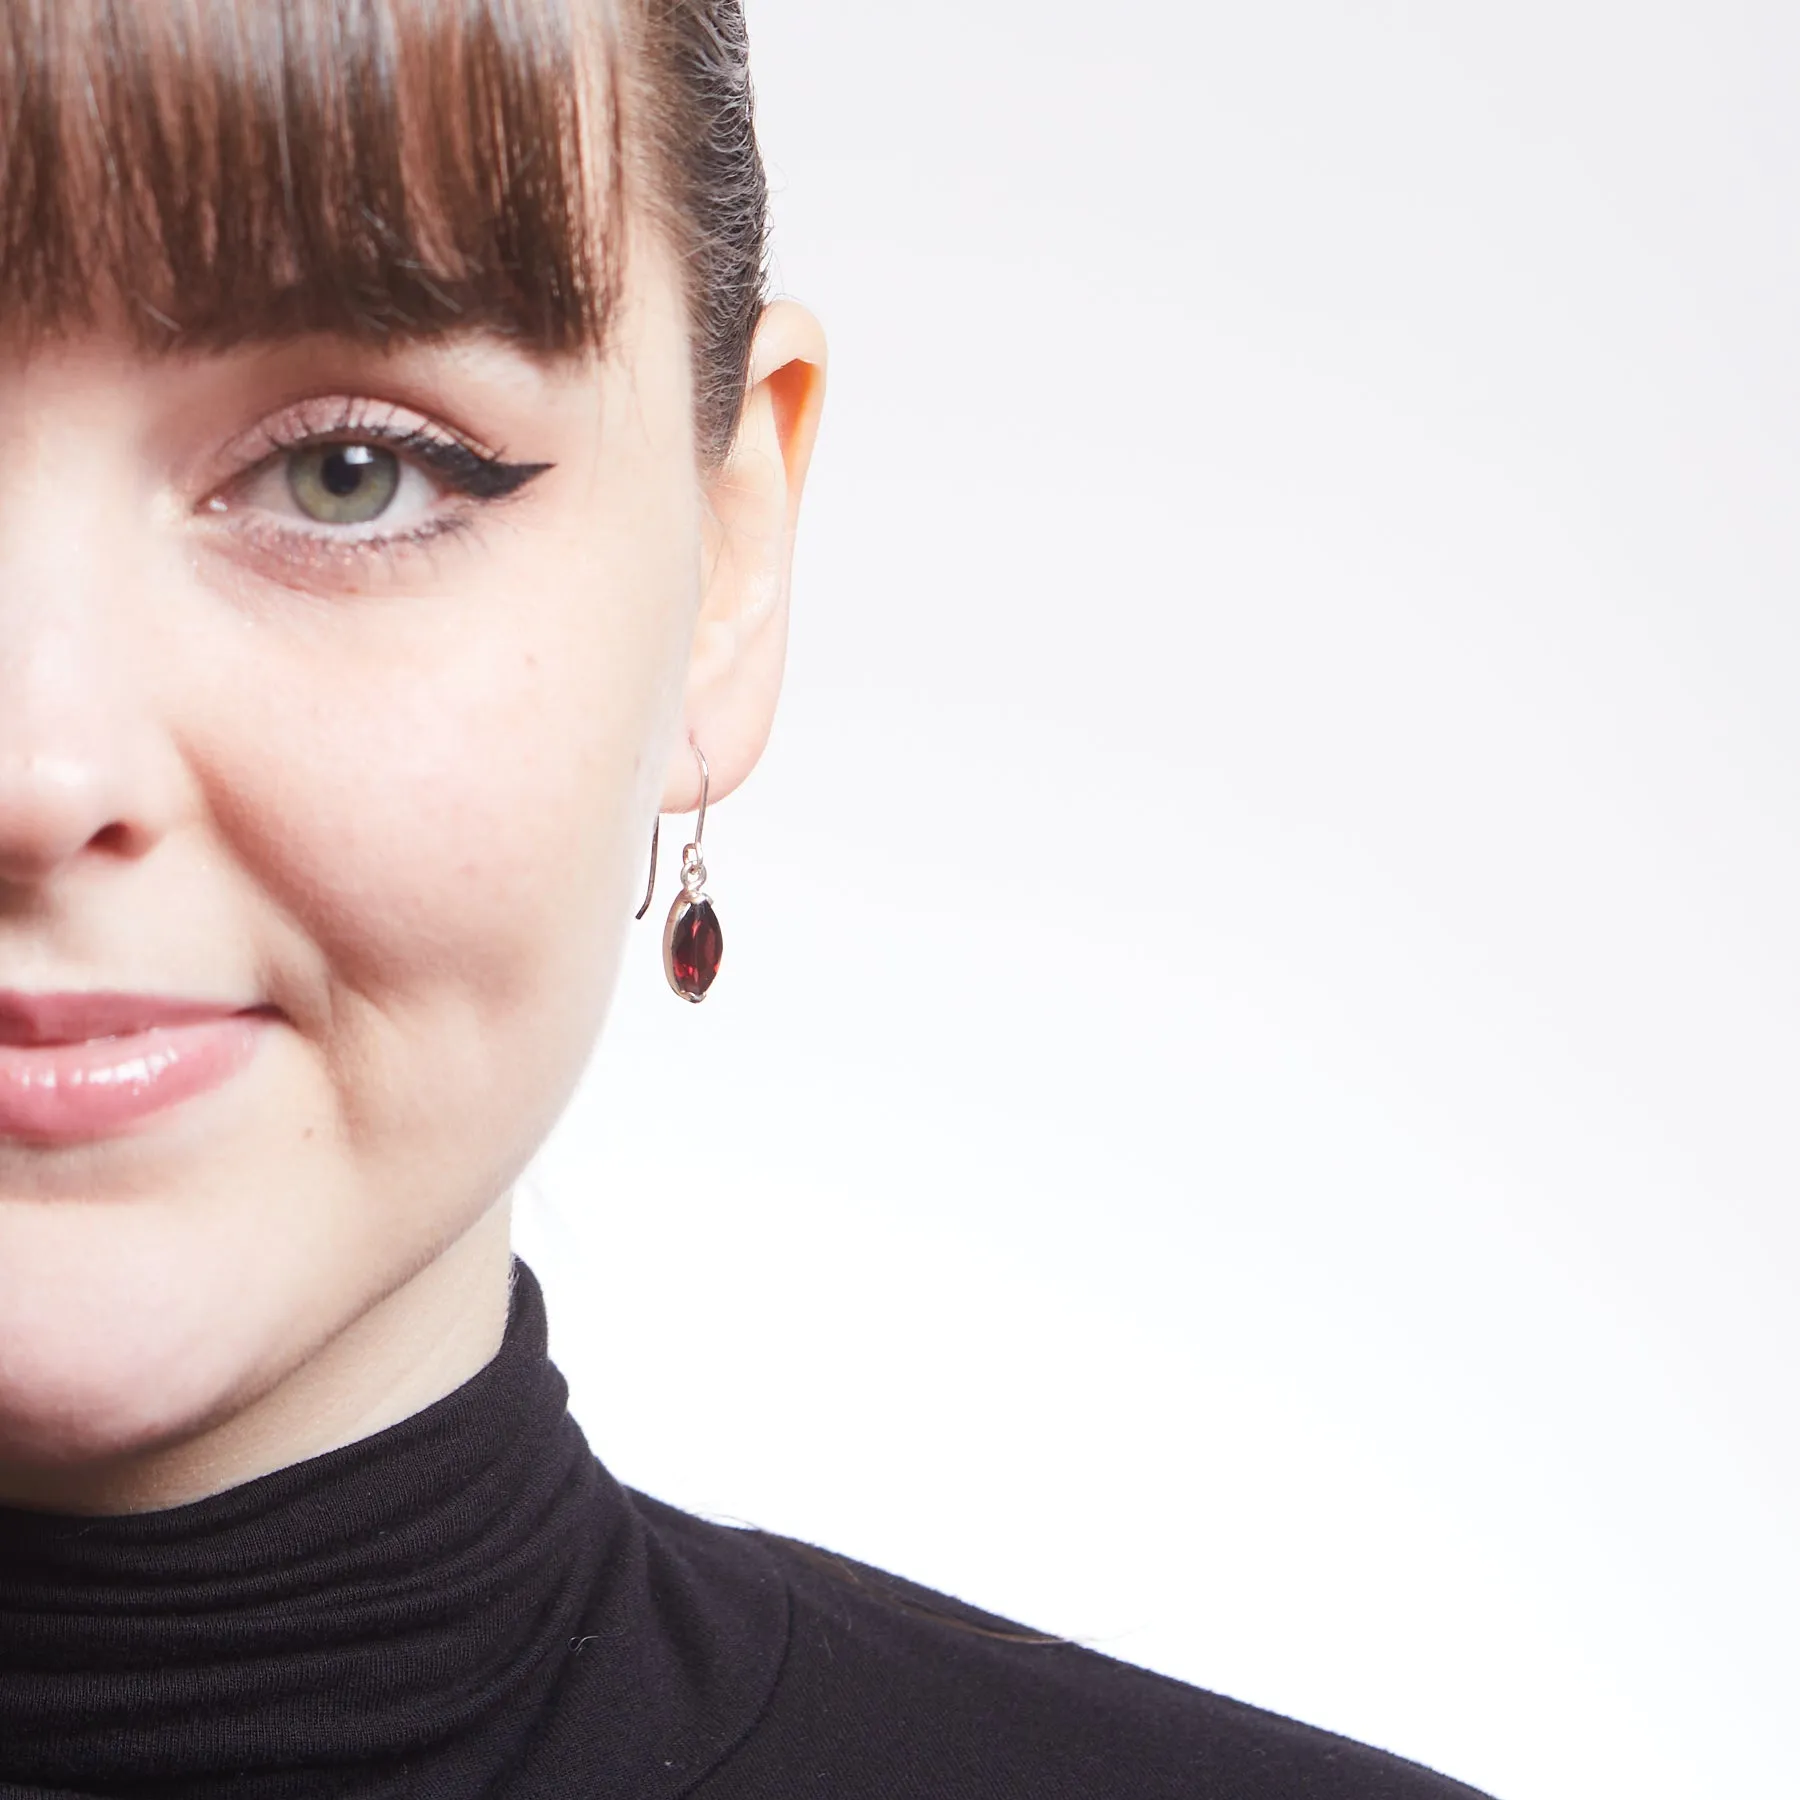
[228,169]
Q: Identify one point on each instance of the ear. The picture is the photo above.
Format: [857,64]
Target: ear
[753,506]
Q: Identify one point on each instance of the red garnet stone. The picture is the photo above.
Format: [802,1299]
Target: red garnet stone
[693,948]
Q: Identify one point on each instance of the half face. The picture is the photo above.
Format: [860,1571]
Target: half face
[337,688]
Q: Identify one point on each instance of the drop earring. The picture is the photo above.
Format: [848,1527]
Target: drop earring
[693,944]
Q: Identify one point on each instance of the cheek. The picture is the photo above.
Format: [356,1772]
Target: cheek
[438,810]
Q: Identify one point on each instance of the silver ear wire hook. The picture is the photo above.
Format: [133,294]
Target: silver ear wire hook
[693,868]
[705,789]
[693,864]
[655,845]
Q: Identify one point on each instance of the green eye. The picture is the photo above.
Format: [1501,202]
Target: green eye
[343,484]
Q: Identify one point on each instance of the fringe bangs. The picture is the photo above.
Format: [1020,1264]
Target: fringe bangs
[216,171]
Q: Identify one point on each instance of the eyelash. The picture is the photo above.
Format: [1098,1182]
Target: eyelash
[470,472]
[473,475]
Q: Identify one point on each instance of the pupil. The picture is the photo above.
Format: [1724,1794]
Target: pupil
[343,470]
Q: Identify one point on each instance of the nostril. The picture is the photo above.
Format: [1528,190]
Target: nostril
[36,842]
[115,839]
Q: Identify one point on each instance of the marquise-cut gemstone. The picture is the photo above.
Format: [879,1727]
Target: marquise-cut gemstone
[696,946]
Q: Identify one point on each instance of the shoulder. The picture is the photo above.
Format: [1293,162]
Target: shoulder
[888,1689]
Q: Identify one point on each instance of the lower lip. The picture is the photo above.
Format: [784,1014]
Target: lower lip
[101,1087]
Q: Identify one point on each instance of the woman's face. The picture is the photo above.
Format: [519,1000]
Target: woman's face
[338,687]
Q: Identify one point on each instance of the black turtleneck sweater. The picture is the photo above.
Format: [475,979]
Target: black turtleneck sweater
[468,1605]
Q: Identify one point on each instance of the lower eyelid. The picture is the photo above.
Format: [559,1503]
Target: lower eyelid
[292,551]
[294,555]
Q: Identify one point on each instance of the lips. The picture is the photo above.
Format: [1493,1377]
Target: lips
[82,1066]
[75,1018]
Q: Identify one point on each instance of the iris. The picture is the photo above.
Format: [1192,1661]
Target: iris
[343,484]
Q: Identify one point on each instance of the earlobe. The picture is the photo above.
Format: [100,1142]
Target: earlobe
[753,500]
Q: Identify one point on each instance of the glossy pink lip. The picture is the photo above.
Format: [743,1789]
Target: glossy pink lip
[80,1066]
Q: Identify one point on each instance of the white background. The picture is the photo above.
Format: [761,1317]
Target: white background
[1250,1113]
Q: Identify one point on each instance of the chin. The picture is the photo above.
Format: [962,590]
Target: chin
[90,1418]
[119,1334]
[103,1390]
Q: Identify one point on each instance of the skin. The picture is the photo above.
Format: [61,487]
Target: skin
[402,797]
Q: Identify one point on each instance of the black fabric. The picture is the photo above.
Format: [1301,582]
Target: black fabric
[468,1605]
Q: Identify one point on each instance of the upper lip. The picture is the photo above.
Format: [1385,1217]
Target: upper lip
[27,1019]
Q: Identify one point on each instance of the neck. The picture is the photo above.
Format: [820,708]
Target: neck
[415,1345]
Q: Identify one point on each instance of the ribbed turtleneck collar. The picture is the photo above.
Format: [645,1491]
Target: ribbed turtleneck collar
[438,1610]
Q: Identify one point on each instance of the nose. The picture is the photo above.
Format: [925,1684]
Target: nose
[77,772]
[51,810]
